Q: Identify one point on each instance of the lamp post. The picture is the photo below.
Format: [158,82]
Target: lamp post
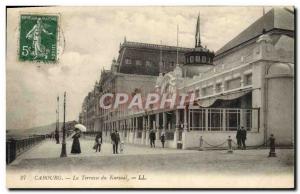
[63,145]
[57,122]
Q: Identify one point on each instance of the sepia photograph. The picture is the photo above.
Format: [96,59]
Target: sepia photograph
[150,97]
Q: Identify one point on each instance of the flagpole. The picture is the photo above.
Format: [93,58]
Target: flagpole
[58,113]
[177,45]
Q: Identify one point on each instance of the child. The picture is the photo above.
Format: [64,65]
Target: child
[121,147]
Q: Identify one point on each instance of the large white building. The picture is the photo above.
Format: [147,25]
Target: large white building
[249,82]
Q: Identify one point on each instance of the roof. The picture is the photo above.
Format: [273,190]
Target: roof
[154,46]
[149,59]
[276,18]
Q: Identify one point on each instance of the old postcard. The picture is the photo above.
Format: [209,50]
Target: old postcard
[150,97]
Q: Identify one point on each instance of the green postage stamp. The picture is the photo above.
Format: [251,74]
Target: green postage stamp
[38,38]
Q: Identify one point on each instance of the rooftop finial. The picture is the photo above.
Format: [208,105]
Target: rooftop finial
[125,39]
[197,35]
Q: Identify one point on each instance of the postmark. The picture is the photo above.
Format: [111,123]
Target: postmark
[38,38]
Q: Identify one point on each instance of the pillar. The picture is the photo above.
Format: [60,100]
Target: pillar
[206,119]
[185,119]
[224,119]
[164,120]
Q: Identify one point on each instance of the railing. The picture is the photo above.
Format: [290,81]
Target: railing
[91,133]
[15,147]
[224,119]
[169,135]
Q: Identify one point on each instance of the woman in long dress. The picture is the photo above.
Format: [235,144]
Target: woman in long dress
[76,144]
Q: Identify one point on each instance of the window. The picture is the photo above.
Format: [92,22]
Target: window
[203,59]
[187,59]
[232,119]
[127,61]
[138,62]
[234,83]
[172,64]
[248,79]
[218,87]
[192,59]
[207,91]
[197,93]
[215,119]
[197,119]
[148,63]
[198,59]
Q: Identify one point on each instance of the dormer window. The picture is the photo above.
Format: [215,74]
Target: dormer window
[192,59]
[128,61]
[138,62]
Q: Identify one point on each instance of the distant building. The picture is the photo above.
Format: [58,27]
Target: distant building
[249,82]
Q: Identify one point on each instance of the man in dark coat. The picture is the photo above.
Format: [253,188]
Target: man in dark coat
[238,138]
[98,142]
[113,141]
[152,138]
[163,139]
[243,137]
[56,136]
[117,141]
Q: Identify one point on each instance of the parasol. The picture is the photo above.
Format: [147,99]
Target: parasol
[81,127]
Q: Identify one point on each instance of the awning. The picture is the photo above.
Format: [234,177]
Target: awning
[229,96]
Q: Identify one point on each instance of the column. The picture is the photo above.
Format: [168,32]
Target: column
[224,119]
[157,126]
[185,119]
[143,130]
[177,115]
[164,120]
[206,119]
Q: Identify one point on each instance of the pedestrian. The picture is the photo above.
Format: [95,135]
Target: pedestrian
[56,137]
[243,137]
[152,138]
[122,147]
[238,138]
[76,144]
[118,139]
[163,139]
[98,142]
[113,141]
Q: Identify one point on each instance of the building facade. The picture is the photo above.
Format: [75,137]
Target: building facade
[249,82]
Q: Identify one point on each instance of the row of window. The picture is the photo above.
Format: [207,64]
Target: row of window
[229,85]
[138,62]
[217,121]
[148,63]
[198,59]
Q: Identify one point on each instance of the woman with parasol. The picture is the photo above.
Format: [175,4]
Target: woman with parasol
[76,144]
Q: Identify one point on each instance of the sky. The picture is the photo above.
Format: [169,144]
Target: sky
[90,39]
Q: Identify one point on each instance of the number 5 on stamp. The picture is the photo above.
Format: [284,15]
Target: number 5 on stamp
[38,38]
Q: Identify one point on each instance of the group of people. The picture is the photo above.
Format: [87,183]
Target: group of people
[152,137]
[241,137]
